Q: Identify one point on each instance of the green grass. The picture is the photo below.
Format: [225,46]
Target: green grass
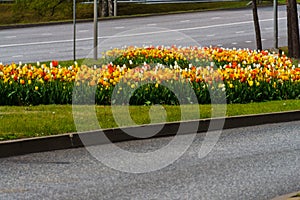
[12,15]
[80,61]
[131,9]
[296,195]
[32,121]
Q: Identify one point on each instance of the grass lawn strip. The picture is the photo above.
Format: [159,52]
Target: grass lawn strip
[33,121]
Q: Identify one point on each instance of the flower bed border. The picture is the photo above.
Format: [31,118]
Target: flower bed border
[72,140]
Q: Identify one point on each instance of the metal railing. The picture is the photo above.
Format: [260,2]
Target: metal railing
[162,1]
[142,1]
[169,1]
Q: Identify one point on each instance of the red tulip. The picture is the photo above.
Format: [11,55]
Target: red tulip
[54,63]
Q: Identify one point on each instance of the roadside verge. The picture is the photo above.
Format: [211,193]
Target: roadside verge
[291,196]
[72,140]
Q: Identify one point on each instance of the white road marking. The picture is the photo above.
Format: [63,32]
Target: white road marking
[184,21]
[17,56]
[85,48]
[138,34]
[234,43]
[269,28]
[43,34]
[239,32]
[151,24]
[41,43]
[219,45]
[10,37]
[119,27]
[263,39]
[46,34]
[83,31]
[211,35]
[215,18]
[248,41]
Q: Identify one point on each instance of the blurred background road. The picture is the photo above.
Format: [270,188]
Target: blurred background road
[225,28]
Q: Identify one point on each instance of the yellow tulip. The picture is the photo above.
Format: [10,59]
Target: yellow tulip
[250,83]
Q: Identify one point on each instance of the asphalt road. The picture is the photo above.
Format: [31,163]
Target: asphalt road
[226,28]
[258,162]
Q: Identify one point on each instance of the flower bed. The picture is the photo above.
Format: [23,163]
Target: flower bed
[244,75]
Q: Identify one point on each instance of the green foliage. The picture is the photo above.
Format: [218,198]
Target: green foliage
[57,92]
[43,9]
[36,93]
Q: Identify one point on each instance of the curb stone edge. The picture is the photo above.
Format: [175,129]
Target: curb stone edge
[72,140]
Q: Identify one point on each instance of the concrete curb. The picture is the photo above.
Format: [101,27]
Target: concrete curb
[12,26]
[72,140]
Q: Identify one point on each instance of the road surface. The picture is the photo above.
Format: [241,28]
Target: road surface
[226,28]
[256,163]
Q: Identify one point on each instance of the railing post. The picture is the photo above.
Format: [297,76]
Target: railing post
[275,24]
[74,31]
[95,30]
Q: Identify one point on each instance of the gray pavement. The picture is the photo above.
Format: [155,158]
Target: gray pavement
[258,162]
